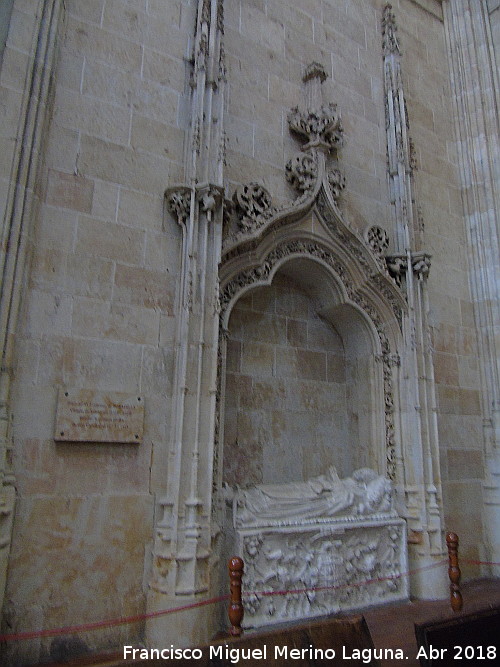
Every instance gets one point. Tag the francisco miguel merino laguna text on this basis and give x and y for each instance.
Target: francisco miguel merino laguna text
(234, 655)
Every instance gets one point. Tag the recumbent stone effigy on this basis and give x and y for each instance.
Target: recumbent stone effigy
(321, 545)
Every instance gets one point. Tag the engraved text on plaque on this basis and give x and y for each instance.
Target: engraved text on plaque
(84, 415)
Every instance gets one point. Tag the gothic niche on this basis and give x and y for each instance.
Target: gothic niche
(304, 434)
(310, 318)
(299, 383)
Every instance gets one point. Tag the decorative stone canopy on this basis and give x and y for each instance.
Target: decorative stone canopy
(261, 238)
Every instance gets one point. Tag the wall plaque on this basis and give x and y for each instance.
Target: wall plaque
(84, 415)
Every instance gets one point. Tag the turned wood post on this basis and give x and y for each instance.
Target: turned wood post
(454, 573)
(235, 611)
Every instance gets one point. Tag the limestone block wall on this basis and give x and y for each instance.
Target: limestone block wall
(5, 14)
(268, 45)
(439, 201)
(99, 293)
(494, 15)
(475, 87)
(98, 313)
(23, 89)
(286, 414)
(450, 304)
(451, 314)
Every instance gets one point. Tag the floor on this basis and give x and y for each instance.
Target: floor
(392, 626)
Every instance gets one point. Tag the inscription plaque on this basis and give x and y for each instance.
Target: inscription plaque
(84, 415)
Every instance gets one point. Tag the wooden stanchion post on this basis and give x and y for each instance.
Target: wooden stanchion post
(454, 573)
(235, 611)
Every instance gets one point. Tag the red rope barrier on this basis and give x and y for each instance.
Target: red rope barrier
(477, 562)
(72, 629)
(85, 627)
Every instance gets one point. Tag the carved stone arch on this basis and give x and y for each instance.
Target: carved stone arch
(362, 296)
(351, 289)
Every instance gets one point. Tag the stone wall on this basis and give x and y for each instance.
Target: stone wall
(5, 13)
(286, 415)
(98, 312)
(475, 403)
(265, 82)
(103, 260)
(494, 15)
(450, 303)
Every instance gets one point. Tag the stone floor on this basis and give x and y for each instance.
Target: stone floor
(392, 626)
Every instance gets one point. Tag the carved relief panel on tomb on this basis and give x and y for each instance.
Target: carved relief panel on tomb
(324, 569)
(319, 546)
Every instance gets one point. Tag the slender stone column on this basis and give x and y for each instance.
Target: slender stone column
(476, 96)
(16, 231)
(410, 265)
(183, 533)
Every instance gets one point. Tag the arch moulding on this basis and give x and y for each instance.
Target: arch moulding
(311, 241)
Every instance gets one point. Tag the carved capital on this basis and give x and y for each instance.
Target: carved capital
(320, 127)
(179, 202)
(209, 196)
(421, 264)
(178, 198)
(397, 266)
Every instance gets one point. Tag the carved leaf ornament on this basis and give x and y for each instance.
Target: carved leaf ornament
(337, 182)
(390, 43)
(378, 239)
(321, 126)
(301, 172)
(178, 202)
(251, 201)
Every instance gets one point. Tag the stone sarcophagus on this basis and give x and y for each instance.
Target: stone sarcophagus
(317, 547)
